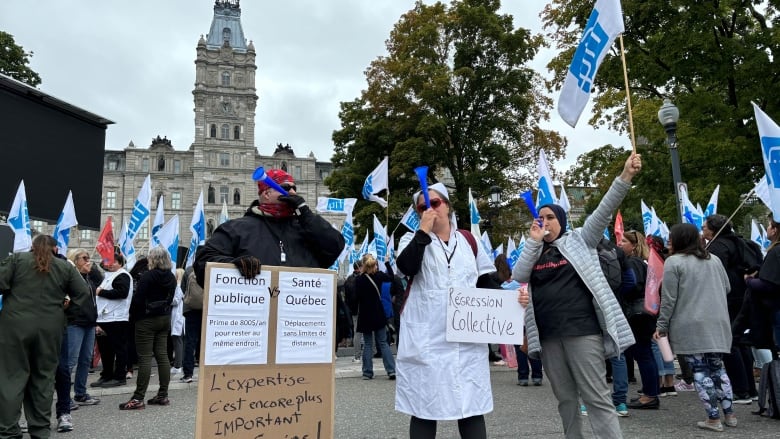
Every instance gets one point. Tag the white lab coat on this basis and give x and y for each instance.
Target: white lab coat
(436, 379)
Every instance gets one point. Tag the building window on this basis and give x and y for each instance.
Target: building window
(236, 196)
(223, 194)
(237, 132)
(226, 35)
(111, 200)
(209, 228)
(86, 235)
(224, 159)
(145, 164)
(143, 232)
(213, 130)
(177, 166)
(284, 166)
(211, 194)
(225, 79)
(112, 165)
(37, 226)
(161, 163)
(225, 132)
(176, 200)
(296, 172)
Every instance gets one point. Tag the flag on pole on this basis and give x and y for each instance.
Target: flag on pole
(604, 25)
(712, 206)
(19, 221)
(168, 238)
(139, 215)
(486, 244)
(336, 205)
(766, 241)
(380, 240)
(376, 182)
(511, 249)
(755, 235)
(769, 133)
(105, 243)
(474, 215)
(223, 214)
(691, 214)
(198, 229)
(762, 191)
(563, 200)
(619, 228)
(66, 220)
(411, 220)
(546, 193)
(129, 247)
(159, 221)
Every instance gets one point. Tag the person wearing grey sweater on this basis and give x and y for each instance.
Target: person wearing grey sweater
(694, 315)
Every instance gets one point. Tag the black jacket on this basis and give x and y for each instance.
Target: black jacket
(307, 240)
(371, 314)
(87, 315)
(155, 286)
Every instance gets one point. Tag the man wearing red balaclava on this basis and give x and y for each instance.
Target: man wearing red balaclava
(277, 229)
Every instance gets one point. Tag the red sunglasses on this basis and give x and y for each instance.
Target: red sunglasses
(435, 203)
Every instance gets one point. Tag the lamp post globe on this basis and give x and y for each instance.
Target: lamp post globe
(668, 115)
(495, 196)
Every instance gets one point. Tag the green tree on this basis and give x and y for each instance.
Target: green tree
(453, 93)
(14, 61)
(711, 58)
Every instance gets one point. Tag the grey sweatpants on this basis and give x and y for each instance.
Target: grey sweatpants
(575, 368)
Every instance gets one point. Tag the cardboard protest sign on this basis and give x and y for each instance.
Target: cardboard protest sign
(266, 368)
(477, 315)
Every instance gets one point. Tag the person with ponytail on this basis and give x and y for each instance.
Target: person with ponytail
(37, 287)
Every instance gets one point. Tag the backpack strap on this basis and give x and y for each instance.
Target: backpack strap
(471, 239)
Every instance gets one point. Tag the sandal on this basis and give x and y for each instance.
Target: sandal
(133, 404)
(159, 400)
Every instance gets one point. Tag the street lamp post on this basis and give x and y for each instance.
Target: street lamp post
(668, 115)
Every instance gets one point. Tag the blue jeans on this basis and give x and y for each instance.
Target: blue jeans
(384, 349)
(619, 380)
(522, 366)
(664, 367)
(648, 369)
(81, 345)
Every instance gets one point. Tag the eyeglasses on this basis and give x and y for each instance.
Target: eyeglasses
(435, 203)
(84, 258)
(289, 187)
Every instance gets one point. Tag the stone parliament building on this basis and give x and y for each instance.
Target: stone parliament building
(223, 155)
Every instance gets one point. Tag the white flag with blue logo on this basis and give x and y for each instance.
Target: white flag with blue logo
(19, 221)
(336, 205)
(546, 191)
(563, 200)
(380, 241)
(762, 191)
(604, 25)
(766, 242)
(411, 220)
(712, 206)
(486, 244)
(198, 230)
(474, 215)
(139, 215)
(127, 247)
(363, 247)
(375, 183)
(159, 221)
(769, 133)
(168, 238)
(223, 214)
(755, 235)
(511, 252)
(66, 220)
(691, 214)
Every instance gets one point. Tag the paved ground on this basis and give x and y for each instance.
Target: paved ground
(364, 409)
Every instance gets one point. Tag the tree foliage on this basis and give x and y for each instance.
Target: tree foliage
(14, 61)
(711, 58)
(454, 93)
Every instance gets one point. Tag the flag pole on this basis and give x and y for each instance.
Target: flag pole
(628, 96)
(752, 191)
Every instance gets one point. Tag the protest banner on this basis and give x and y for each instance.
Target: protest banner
(267, 354)
(477, 315)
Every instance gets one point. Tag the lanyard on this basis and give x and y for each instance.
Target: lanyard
(444, 249)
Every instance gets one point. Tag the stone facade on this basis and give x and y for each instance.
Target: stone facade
(222, 157)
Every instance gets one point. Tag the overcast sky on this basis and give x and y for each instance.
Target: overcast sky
(133, 63)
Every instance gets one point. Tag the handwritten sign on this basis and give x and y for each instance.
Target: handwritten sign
(267, 384)
(476, 315)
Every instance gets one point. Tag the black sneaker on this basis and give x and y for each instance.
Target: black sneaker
(99, 382)
(114, 383)
(86, 400)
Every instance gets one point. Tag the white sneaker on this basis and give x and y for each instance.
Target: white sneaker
(64, 423)
(175, 371)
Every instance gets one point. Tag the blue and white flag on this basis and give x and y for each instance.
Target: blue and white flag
(168, 238)
(691, 214)
(474, 215)
(520, 247)
(511, 249)
(712, 206)
(380, 241)
(336, 205)
(411, 220)
(769, 133)
(546, 191)
(139, 215)
(376, 182)
(563, 200)
(198, 230)
(606, 234)
(363, 247)
(498, 250)
(486, 244)
(762, 191)
(755, 235)
(128, 246)
(649, 220)
(604, 25)
(348, 232)
(19, 221)
(766, 241)
(66, 220)
(159, 221)
(223, 214)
